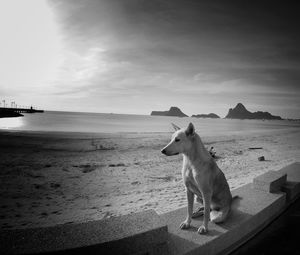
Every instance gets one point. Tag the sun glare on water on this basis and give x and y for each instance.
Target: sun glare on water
(11, 123)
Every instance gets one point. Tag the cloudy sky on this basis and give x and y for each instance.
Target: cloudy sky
(135, 56)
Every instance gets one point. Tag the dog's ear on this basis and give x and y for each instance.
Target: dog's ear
(190, 129)
(175, 127)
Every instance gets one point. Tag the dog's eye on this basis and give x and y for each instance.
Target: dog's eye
(177, 139)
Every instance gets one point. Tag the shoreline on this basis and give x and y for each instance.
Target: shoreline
(54, 178)
(76, 134)
(85, 123)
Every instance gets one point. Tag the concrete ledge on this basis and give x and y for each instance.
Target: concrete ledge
(270, 181)
(138, 233)
(254, 211)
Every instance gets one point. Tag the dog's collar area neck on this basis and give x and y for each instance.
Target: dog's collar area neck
(196, 156)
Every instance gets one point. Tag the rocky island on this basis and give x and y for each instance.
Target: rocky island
(240, 112)
(174, 111)
(210, 115)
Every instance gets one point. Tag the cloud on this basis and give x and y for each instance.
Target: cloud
(172, 49)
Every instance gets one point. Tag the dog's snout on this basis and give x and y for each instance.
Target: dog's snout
(163, 151)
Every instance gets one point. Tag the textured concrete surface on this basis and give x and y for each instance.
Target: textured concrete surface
(131, 234)
(251, 212)
(270, 181)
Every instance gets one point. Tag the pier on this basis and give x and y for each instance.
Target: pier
(20, 110)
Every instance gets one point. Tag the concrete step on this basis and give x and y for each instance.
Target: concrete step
(271, 181)
(139, 233)
(292, 185)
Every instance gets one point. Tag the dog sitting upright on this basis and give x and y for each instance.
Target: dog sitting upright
(201, 176)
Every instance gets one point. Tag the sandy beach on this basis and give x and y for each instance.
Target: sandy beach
(59, 178)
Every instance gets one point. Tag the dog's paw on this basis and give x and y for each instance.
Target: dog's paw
(185, 225)
(202, 230)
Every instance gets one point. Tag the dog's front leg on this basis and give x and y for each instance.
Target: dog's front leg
(207, 199)
(190, 198)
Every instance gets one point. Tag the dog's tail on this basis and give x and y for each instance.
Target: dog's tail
(219, 216)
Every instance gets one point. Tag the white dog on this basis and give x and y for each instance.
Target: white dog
(201, 176)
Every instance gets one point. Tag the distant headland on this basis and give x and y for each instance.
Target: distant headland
(174, 111)
(210, 115)
(240, 112)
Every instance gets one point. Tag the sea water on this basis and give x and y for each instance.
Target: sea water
(114, 123)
